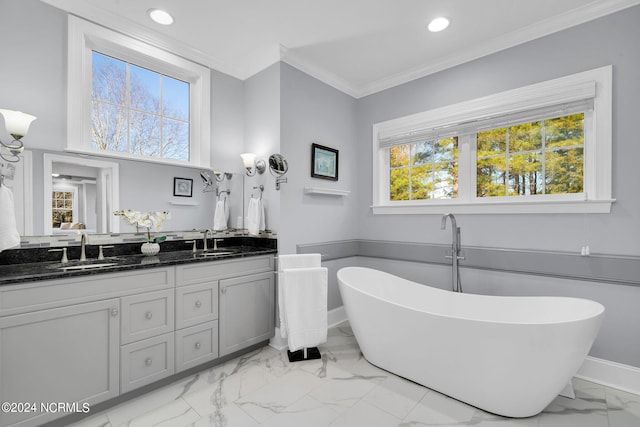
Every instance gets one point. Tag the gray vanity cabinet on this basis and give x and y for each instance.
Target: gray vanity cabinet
(247, 311)
(68, 354)
(88, 339)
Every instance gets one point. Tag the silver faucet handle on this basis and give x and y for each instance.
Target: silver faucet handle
(215, 243)
(100, 254)
(194, 249)
(64, 259)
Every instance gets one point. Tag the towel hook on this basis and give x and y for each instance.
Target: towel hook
(261, 188)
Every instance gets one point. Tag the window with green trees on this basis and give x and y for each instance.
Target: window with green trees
(541, 148)
(424, 170)
(541, 157)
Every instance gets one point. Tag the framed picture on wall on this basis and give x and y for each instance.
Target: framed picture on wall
(182, 187)
(324, 162)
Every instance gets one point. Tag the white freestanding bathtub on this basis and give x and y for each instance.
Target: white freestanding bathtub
(506, 355)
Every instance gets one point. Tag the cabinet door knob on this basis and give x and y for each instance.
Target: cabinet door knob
(198, 304)
(148, 362)
(223, 290)
(198, 346)
(149, 315)
(114, 312)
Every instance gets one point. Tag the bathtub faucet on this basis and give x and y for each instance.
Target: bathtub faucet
(455, 251)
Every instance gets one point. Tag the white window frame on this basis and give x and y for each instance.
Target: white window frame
(85, 37)
(597, 198)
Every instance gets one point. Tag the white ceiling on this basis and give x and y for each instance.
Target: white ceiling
(357, 46)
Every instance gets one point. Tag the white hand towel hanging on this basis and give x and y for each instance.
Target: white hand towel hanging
(305, 306)
(286, 262)
(255, 216)
(9, 236)
(221, 215)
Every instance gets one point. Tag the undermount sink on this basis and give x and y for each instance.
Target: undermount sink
(215, 253)
(87, 266)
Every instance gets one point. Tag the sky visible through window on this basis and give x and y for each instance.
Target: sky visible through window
(138, 111)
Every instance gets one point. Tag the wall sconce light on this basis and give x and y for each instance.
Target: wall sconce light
(251, 165)
(17, 124)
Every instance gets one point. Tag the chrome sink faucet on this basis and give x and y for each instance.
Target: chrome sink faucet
(204, 239)
(455, 250)
(83, 243)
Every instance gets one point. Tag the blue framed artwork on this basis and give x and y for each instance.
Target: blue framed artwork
(324, 162)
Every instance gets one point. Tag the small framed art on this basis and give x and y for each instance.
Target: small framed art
(324, 162)
(182, 187)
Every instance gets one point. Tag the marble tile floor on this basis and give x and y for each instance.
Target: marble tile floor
(341, 390)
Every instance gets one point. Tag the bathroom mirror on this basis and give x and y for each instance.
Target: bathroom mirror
(278, 165)
(99, 186)
(80, 194)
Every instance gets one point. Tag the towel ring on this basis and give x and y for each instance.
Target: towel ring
(261, 188)
(221, 192)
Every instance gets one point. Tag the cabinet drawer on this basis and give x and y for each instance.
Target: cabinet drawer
(147, 315)
(190, 274)
(146, 361)
(196, 345)
(196, 304)
(41, 295)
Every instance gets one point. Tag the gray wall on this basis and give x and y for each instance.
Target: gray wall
(312, 111)
(581, 48)
(262, 137)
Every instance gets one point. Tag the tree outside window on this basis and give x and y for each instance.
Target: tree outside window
(542, 157)
(424, 170)
(138, 111)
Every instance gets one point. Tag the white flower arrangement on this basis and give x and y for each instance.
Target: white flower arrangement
(145, 219)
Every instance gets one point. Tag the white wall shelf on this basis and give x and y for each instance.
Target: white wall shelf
(184, 203)
(326, 191)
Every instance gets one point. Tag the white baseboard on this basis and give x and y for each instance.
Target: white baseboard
(334, 318)
(610, 374)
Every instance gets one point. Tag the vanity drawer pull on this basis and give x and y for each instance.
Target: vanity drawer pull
(198, 346)
(148, 362)
(198, 304)
(114, 312)
(149, 315)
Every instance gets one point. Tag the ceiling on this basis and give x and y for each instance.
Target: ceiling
(357, 46)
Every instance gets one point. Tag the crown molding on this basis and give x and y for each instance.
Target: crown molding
(259, 61)
(105, 18)
(295, 60)
(586, 13)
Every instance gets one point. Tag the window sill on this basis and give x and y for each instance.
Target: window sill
(125, 156)
(515, 207)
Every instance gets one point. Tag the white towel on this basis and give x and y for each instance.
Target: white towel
(299, 261)
(305, 306)
(286, 262)
(221, 215)
(9, 236)
(255, 216)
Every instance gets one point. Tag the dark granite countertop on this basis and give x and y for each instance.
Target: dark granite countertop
(48, 270)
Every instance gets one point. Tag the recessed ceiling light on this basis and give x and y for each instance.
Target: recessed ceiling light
(160, 16)
(438, 24)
